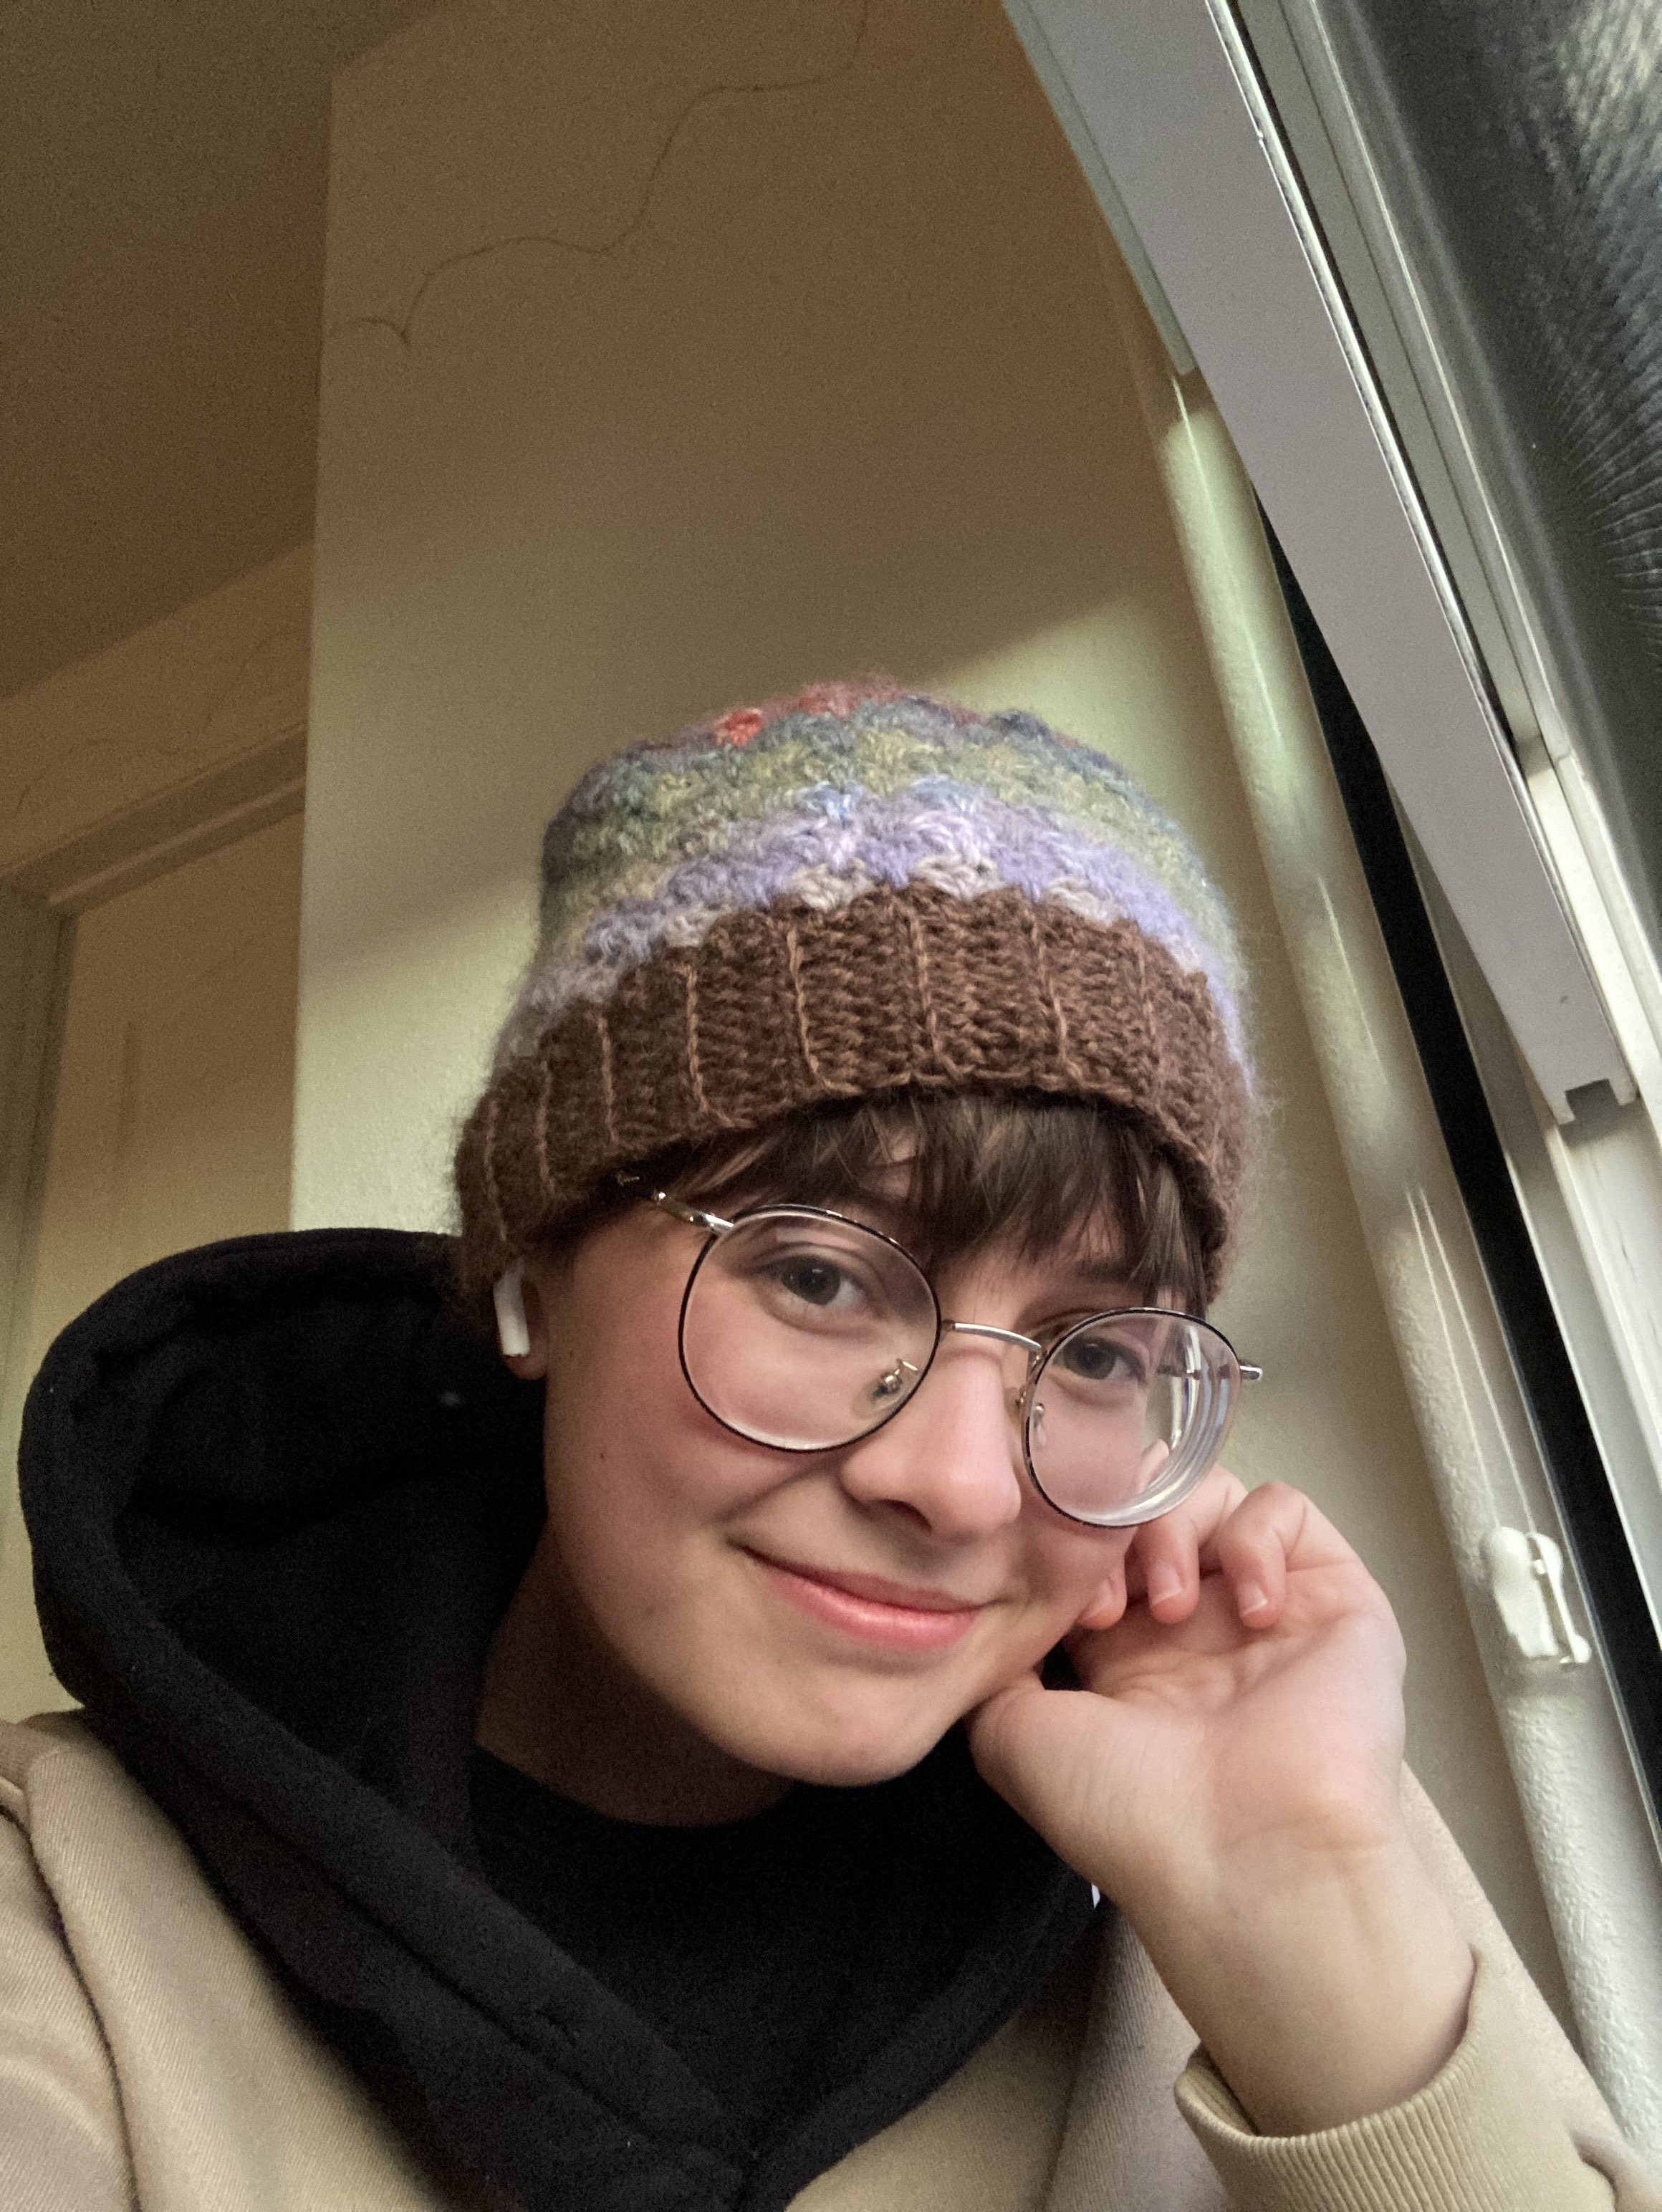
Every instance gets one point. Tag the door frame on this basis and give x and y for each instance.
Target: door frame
(164, 747)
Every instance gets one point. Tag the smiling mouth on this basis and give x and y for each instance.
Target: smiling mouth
(878, 1589)
(904, 1616)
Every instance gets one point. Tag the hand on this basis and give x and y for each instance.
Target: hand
(1253, 1702)
(1230, 1774)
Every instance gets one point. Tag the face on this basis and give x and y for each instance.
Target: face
(825, 1616)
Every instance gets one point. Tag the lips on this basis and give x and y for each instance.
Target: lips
(904, 1616)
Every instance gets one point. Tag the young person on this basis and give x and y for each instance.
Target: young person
(801, 1715)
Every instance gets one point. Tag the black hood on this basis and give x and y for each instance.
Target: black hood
(279, 1496)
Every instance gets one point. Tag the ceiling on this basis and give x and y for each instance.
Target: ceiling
(163, 169)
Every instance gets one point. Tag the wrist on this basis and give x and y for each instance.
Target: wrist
(1324, 1986)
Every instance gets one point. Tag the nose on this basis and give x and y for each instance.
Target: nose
(950, 1458)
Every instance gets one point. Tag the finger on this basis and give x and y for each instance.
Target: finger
(1108, 1604)
(1168, 1554)
(1041, 1750)
(996, 1735)
(1275, 1528)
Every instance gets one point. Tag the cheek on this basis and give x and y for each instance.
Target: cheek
(1068, 1567)
(635, 1467)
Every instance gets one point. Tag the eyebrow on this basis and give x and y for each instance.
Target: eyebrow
(1112, 1268)
(1115, 1270)
(1088, 1261)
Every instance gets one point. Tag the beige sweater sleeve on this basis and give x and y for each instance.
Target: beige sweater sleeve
(1482, 2136)
(149, 2061)
(63, 2146)
(1513, 2123)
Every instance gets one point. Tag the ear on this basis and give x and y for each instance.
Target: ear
(522, 1323)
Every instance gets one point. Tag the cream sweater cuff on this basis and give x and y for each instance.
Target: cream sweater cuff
(1481, 2137)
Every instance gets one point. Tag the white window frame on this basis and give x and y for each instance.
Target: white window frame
(1236, 180)
(1181, 141)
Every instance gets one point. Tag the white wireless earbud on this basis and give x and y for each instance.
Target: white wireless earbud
(513, 1333)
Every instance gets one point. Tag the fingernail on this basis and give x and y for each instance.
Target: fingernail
(1163, 1583)
(1251, 1598)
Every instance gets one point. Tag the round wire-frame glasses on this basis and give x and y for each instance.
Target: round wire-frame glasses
(805, 1331)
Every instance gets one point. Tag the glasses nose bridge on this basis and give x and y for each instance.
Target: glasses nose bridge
(1029, 1345)
(1008, 1340)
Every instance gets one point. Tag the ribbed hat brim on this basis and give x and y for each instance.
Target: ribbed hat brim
(786, 1008)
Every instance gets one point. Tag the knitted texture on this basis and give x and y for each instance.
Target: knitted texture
(852, 892)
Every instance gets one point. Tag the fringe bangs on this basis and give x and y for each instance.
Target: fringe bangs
(959, 1172)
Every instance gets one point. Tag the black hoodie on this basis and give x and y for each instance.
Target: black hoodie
(279, 1496)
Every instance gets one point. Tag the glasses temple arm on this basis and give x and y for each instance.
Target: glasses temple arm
(694, 1214)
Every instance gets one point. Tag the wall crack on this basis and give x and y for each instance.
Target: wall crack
(401, 327)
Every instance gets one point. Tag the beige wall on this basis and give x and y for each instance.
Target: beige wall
(681, 354)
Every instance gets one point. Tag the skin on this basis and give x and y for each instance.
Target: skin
(1229, 1773)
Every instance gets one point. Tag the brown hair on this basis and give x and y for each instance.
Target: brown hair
(961, 1170)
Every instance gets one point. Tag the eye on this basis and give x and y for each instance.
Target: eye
(1102, 1358)
(815, 1282)
(815, 1279)
(824, 1278)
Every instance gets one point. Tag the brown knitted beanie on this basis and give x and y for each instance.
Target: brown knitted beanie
(854, 891)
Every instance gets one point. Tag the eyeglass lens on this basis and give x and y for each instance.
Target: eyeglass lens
(1128, 1412)
(805, 1331)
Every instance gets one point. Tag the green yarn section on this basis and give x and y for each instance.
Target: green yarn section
(635, 819)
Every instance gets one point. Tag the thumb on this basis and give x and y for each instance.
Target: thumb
(1030, 1744)
(995, 1733)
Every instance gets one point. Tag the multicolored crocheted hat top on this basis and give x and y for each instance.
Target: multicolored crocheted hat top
(855, 890)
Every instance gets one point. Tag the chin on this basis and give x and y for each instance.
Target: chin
(847, 1751)
(841, 1768)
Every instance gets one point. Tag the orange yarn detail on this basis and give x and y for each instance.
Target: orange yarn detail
(739, 727)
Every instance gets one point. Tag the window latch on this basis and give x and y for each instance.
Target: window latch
(1526, 1576)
